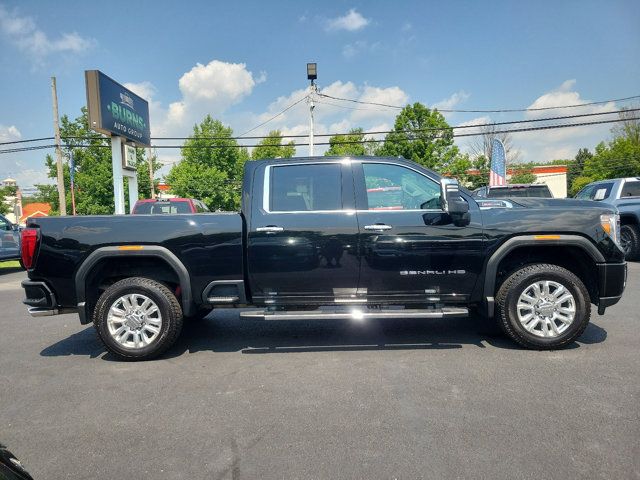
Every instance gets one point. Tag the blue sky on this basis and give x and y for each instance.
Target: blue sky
(244, 61)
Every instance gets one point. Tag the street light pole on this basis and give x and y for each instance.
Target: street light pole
(312, 75)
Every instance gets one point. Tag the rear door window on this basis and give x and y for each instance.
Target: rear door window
(630, 189)
(305, 188)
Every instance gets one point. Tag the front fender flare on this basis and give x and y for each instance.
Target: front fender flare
(512, 243)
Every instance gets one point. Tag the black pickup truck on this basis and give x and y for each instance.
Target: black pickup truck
(352, 238)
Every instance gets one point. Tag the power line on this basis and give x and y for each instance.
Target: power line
(504, 110)
(514, 130)
(276, 115)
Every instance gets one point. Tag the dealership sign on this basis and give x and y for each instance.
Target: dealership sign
(116, 110)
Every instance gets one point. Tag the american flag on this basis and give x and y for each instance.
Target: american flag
(498, 173)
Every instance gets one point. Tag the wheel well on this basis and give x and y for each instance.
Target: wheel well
(573, 258)
(628, 219)
(108, 271)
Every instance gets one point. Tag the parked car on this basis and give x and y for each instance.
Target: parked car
(517, 190)
(319, 238)
(9, 240)
(624, 193)
(10, 466)
(169, 206)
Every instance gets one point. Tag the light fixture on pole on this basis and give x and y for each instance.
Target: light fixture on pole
(312, 74)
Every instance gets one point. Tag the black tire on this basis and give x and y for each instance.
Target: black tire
(168, 306)
(630, 238)
(519, 281)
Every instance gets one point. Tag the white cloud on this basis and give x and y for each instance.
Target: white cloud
(542, 146)
(350, 21)
(9, 134)
(452, 101)
(145, 89)
(25, 34)
(406, 27)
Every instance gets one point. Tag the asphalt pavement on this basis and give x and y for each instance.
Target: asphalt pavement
(321, 399)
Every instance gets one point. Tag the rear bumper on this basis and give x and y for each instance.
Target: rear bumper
(612, 280)
(41, 300)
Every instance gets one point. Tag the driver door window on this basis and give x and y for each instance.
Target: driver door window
(392, 187)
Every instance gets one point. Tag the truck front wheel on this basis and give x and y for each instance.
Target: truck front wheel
(543, 306)
(630, 241)
(137, 318)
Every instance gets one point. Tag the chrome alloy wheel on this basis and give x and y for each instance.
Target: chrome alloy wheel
(546, 308)
(134, 321)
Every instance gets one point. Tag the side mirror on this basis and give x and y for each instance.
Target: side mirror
(15, 227)
(453, 203)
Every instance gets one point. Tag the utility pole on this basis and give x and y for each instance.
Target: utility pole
(150, 160)
(312, 75)
(56, 130)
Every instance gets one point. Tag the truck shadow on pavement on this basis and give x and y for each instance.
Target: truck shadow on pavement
(224, 332)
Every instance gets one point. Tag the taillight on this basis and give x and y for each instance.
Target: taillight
(29, 242)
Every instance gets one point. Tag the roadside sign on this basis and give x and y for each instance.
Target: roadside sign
(116, 110)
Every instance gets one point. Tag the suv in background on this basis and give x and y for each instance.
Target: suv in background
(624, 193)
(160, 206)
(9, 240)
(517, 190)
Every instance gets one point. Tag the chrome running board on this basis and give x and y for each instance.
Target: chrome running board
(356, 314)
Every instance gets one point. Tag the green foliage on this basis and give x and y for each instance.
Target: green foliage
(414, 138)
(6, 192)
(211, 167)
(272, 147)
(352, 144)
(522, 174)
(93, 175)
(575, 169)
(578, 184)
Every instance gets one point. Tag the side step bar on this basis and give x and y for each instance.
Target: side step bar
(356, 314)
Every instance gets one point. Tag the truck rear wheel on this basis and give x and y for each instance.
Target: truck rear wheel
(543, 306)
(137, 318)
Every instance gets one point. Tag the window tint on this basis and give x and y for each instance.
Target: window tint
(585, 193)
(4, 224)
(601, 191)
(158, 208)
(306, 187)
(392, 187)
(630, 189)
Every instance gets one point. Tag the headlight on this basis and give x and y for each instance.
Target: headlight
(611, 225)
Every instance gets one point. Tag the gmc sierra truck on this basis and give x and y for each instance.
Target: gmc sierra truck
(346, 238)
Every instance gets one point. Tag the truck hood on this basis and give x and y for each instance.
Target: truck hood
(561, 204)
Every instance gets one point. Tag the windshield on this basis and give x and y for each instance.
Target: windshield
(159, 208)
(537, 191)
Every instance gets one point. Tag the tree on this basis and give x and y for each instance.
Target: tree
(211, 167)
(483, 144)
(272, 147)
(93, 177)
(575, 169)
(8, 191)
(522, 174)
(352, 144)
(629, 127)
(421, 135)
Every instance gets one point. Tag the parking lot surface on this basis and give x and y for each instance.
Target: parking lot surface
(321, 399)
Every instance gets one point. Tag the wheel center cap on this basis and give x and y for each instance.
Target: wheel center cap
(133, 321)
(546, 309)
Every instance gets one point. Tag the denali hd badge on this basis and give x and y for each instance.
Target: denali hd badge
(433, 272)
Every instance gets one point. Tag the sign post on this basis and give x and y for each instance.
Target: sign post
(118, 112)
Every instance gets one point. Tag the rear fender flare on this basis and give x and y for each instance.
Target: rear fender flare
(146, 251)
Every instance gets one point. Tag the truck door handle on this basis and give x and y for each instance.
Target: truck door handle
(270, 229)
(378, 226)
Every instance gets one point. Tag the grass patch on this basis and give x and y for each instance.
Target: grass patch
(10, 264)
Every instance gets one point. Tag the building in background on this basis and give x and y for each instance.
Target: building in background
(555, 176)
(34, 210)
